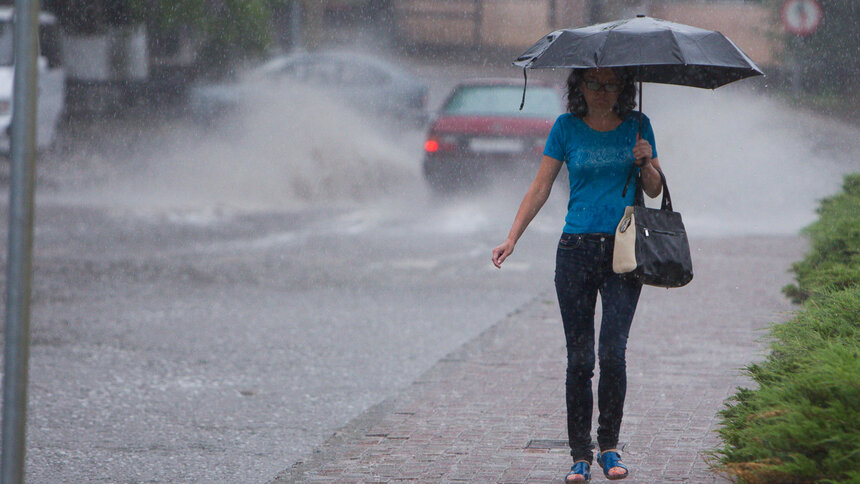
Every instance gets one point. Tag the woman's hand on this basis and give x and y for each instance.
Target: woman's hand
(642, 152)
(652, 184)
(502, 252)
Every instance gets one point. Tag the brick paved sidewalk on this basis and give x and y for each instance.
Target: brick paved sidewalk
(493, 411)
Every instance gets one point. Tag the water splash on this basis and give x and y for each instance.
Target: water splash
(287, 146)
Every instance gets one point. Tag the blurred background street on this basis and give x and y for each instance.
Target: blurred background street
(218, 290)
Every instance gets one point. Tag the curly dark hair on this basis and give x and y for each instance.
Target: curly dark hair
(626, 99)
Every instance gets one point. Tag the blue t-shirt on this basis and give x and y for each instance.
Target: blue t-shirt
(598, 163)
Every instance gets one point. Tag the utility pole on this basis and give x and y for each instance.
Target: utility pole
(19, 266)
(296, 34)
(595, 12)
(313, 11)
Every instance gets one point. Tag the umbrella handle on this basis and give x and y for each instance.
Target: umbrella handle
(633, 168)
(640, 104)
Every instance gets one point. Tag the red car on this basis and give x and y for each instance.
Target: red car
(480, 134)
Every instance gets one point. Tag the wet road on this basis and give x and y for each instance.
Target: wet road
(211, 313)
(223, 353)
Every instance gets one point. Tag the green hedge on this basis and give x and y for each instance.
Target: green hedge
(834, 259)
(802, 423)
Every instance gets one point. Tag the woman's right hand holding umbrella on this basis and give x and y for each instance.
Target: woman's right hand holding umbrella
(652, 184)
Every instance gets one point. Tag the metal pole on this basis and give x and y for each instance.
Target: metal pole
(19, 260)
(478, 23)
(312, 24)
(296, 33)
(595, 12)
(797, 66)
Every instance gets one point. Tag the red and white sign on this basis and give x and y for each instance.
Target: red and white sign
(801, 17)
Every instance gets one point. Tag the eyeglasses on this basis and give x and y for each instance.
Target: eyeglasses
(608, 87)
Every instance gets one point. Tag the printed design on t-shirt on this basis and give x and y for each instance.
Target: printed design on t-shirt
(600, 159)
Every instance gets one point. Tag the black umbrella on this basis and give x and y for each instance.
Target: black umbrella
(657, 50)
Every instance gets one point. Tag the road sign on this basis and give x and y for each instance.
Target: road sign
(801, 17)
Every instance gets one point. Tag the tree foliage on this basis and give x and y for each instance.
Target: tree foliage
(227, 28)
(230, 28)
(829, 58)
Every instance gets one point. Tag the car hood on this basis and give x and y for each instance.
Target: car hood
(492, 125)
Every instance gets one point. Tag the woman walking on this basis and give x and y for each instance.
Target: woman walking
(598, 141)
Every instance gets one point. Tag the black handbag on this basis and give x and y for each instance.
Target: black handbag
(652, 243)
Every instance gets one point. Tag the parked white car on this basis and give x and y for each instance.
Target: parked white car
(365, 81)
(52, 79)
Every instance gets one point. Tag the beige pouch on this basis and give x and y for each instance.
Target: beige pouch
(624, 255)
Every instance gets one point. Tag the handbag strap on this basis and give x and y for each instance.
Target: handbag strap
(639, 199)
(666, 204)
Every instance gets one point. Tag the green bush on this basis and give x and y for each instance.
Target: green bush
(833, 261)
(834, 318)
(802, 423)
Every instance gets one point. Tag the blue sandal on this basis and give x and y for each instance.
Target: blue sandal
(609, 459)
(582, 468)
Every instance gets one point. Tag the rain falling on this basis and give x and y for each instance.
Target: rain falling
(240, 253)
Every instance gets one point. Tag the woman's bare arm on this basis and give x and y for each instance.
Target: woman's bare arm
(534, 199)
(652, 185)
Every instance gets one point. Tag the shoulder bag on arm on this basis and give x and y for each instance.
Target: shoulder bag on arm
(652, 243)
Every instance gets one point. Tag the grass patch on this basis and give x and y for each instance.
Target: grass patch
(802, 423)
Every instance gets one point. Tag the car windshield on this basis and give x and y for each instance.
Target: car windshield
(541, 102)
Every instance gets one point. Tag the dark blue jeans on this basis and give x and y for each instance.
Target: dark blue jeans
(584, 268)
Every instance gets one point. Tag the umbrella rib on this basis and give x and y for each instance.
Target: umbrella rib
(588, 36)
(680, 51)
(599, 52)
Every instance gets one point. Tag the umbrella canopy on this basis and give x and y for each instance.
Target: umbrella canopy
(661, 51)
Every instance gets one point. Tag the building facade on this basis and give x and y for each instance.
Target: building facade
(517, 24)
